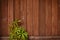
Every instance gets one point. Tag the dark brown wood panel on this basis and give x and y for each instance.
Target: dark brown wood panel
(58, 18)
(0, 17)
(4, 19)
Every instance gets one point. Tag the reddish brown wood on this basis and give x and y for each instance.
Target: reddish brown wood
(4, 24)
(35, 17)
(29, 17)
(17, 9)
(39, 17)
(10, 12)
(24, 16)
(21, 8)
(42, 17)
(58, 18)
(48, 17)
(0, 16)
(54, 17)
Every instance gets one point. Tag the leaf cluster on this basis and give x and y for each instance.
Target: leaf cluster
(17, 32)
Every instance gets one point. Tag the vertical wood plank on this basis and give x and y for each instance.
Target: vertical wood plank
(23, 13)
(17, 9)
(29, 17)
(58, 18)
(24, 16)
(48, 17)
(42, 17)
(35, 17)
(4, 27)
(10, 13)
(21, 9)
(0, 16)
(54, 17)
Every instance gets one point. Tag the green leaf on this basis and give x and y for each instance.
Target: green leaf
(17, 32)
(25, 34)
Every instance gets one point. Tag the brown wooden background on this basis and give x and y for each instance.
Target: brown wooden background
(41, 18)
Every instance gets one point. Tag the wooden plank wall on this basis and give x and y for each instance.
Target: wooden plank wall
(40, 18)
(4, 17)
(59, 17)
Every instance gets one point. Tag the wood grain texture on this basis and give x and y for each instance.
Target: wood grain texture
(29, 17)
(48, 17)
(24, 14)
(4, 24)
(54, 17)
(35, 17)
(39, 17)
(10, 13)
(0, 16)
(17, 9)
(58, 18)
(21, 8)
(42, 14)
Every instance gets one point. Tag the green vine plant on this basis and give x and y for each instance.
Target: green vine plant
(17, 32)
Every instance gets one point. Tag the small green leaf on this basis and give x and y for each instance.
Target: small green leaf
(17, 32)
